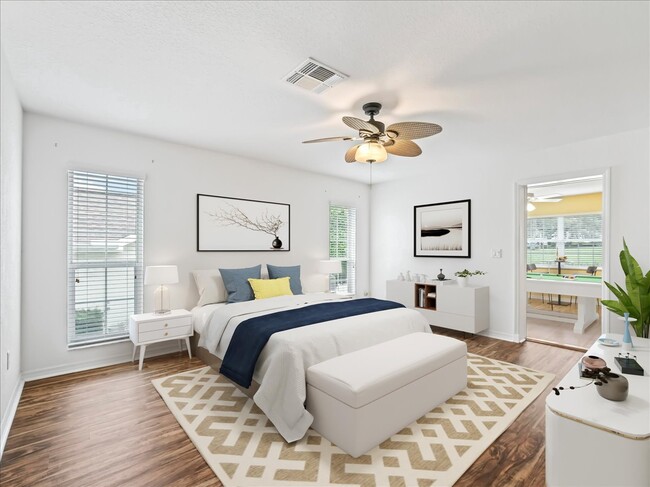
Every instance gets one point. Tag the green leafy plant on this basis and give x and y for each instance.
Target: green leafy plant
(467, 273)
(89, 320)
(635, 298)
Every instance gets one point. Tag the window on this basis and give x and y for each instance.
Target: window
(343, 247)
(579, 237)
(105, 256)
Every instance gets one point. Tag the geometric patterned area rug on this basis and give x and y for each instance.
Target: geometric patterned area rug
(243, 447)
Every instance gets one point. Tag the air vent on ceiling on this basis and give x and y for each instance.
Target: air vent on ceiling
(314, 76)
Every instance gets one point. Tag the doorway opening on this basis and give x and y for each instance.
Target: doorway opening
(563, 255)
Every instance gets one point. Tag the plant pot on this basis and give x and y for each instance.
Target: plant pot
(277, 243)
(462, 281)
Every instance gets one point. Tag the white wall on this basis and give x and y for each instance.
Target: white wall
(10, 256)
(491, 188)
(174, 175)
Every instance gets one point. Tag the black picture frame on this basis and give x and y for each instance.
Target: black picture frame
(222, 226)
(443, 229)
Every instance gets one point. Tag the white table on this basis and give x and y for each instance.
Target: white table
(148, 328)
(586, 292)
(591, 441)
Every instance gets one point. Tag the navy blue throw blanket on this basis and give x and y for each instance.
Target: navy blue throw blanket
(251, 335)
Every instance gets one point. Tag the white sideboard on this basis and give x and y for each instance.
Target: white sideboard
(445, 303)
(591, 441)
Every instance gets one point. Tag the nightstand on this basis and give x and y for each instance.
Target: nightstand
(149, 328)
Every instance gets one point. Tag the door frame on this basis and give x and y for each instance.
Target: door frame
(521, 215)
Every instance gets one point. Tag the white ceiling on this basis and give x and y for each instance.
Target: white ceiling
(500, 77)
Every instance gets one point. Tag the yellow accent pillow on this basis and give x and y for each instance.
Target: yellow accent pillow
(270, 288)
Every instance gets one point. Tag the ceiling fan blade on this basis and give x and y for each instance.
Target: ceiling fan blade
(358, 124)
(351, 152)
(412, 130)
(404, 148)
(546, 200)
(330, 139)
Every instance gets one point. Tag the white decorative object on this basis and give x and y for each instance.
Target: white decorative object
(400, 277)
(161, 275)
(408, 276)
(361, 398)
(148, 328)
(462, 281)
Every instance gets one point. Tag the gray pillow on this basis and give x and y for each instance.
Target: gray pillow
(236, 283)
(276, 272)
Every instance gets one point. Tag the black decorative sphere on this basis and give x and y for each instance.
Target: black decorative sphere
(277, 243)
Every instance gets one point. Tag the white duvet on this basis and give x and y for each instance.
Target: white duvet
(282, 365)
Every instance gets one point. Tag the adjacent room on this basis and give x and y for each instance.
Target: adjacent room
(276, 243)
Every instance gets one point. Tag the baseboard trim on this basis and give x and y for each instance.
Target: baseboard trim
(508, 337)
(9, 415)
(152, 351)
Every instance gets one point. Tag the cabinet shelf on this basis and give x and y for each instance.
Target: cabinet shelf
(425, 296)
(444, 304)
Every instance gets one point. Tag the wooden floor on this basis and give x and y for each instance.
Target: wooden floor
(109, 427)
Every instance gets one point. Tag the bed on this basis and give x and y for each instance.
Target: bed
(276, 379)
(278, 386)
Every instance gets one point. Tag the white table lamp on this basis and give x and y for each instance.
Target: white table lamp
(330, 267)
(161, 275)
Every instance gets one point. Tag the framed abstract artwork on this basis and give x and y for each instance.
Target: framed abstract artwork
(442, 229)
(226, 224)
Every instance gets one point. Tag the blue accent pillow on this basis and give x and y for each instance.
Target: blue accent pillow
(236, 283)
(276, 272)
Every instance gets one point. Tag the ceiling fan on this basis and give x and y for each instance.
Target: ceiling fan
(549, 198)
(379, 140)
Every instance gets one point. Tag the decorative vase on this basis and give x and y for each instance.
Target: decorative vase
(441, 276)
(593, 362)
(627, 338)
(277, 243)
(462, 281)
(615, 389)
(408, 276)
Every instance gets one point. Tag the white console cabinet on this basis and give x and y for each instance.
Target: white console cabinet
(445, 303)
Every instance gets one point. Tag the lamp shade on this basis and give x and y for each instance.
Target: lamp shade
(330, 266)
(161, 274)
(371, 151)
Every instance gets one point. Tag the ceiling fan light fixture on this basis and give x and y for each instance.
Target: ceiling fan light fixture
(371, 151)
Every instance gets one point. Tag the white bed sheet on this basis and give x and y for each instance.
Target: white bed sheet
(282, 365)
(201, 315)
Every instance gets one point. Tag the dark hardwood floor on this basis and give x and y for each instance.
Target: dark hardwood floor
(108, 427)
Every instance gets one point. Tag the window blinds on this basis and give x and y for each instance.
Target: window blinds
(578, 237)
(343, 247)
(105, 255)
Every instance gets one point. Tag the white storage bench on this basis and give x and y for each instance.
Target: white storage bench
(362, 398)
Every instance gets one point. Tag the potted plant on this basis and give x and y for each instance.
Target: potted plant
(465, 274)
(635, 298)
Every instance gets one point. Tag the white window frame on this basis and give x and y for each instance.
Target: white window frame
(99, 207)
(344, 282)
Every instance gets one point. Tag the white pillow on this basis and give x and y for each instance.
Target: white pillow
(210, 286)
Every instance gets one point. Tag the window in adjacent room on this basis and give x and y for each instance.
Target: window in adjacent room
(105, 256)
(578, 237)
(343, 247)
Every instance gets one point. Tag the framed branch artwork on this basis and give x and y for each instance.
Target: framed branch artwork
(238, 225)
(442, 229)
